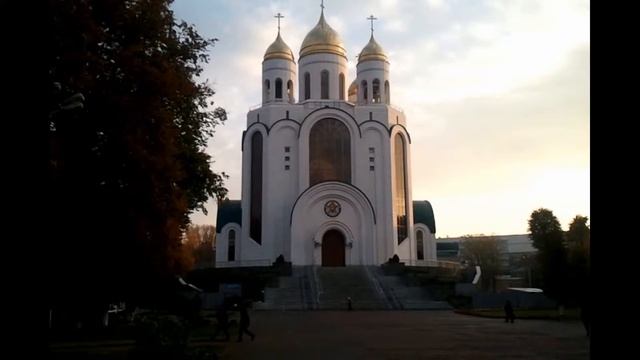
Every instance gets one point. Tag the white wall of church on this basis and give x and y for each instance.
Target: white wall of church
(368, 71)
(274, 69)
(356, 222)
(377, 185)
(280, 188)
(314, 64)
(429, 242)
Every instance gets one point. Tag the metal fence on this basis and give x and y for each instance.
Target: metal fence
(244, 263)
(432, 263)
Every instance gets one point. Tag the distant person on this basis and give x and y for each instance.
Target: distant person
(223, 323)
(509, 315)
(349, 304)
(244, 323)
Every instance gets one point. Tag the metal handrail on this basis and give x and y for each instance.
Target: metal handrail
(433, 263)
(244, 263)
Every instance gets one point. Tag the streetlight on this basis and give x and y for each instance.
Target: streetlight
(525, 259)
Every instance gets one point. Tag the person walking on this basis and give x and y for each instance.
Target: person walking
(223, 322)
(244, 323)
(509, 315)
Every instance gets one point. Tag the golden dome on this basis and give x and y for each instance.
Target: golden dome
(322, 39)
(279, 50)
(353, 88)
(373, 51)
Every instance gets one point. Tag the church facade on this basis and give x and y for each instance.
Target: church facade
(326, 166)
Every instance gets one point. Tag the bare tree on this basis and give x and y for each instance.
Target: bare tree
(483, 251)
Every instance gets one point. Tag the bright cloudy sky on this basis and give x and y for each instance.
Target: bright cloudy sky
(496, 93)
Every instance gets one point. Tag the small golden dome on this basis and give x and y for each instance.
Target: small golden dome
(373, 51)
(353, 88)
(322, 39)
(279, 50)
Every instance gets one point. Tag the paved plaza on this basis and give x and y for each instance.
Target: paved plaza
(404, 335)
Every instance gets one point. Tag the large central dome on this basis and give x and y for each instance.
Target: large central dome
(322, 39)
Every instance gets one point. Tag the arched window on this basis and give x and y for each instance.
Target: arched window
(290, 91)
(231, 253)
(365, 90)
(387, 92)
(278, 88)
(376, 91)
(400, 193)
(255, 212)
(329, 152)
(267, 90)
(307, 86)
(341, 84)
(420, 244)
(324, 84)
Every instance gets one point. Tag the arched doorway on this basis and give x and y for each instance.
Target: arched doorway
(333, 248)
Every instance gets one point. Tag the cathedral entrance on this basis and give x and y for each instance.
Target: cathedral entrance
(333, 248)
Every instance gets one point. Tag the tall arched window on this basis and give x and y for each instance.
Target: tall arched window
(307, 86)
(341, 84)
(376, 91)
(420, 244)
(365, 90)
(278, 88)
(231, 250)
(324, 84)
(329, 152)
(290, 91)
(400, 193)
(387, 92)
(267, 90)
(255, 212)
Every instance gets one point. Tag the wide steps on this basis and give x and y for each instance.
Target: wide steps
(327, 288)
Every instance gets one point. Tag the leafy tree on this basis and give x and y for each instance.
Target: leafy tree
(548, 238)
(579, 234)
(578, 239)
(483, 251)
(128, 167)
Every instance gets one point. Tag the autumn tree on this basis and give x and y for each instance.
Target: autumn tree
(199, 242)
(483, 251)
(128, 167)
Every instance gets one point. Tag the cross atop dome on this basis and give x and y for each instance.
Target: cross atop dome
(372, 18)
(279, 17)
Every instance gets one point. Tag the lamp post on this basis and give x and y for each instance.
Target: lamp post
(526, 261)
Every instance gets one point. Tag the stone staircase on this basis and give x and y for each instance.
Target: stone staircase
(294, 292)
(406, 296)
(335, 284)
(327, 288)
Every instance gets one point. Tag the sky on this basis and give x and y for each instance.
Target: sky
(496, 95)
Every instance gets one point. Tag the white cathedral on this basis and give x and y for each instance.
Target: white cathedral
(326, 177)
